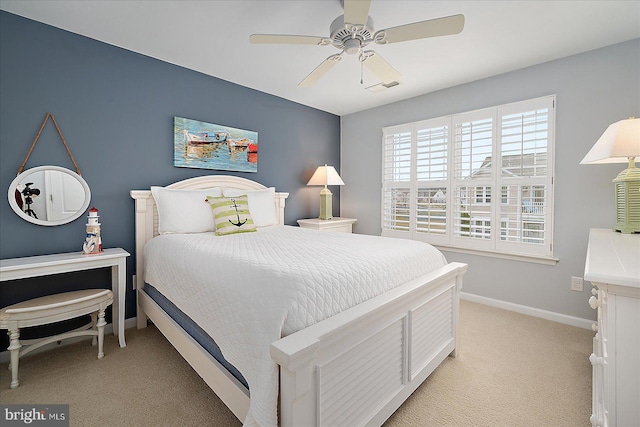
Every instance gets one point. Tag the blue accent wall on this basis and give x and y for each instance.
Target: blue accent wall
(116, 109)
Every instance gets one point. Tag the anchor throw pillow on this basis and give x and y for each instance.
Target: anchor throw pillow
(231, 215)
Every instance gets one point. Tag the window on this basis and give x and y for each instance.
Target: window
(481, 180)
(505, 195)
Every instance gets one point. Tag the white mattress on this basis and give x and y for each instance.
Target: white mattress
(250, 289)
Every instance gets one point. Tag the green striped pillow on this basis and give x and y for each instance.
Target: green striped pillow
(231, 215)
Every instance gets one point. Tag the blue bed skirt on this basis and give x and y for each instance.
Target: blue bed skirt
(196, 332)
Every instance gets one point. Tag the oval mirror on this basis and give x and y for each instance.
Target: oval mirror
(49, 195)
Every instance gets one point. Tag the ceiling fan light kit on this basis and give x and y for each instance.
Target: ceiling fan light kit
(354, 30)
(381, 87)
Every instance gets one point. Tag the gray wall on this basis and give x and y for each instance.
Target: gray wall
(593, 89)
(115, 109)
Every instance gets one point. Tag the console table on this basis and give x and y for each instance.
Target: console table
(613, 268)
(44, 265)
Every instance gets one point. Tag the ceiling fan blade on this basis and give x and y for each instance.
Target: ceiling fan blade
(421, 30)
(378, 66)
(287, 39)
(356, 12)
(321, 70)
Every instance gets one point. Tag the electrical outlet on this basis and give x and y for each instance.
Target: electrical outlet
(576, 284)
(135, 282)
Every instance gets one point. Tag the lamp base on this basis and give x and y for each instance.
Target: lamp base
(326, 201)
(627, 185)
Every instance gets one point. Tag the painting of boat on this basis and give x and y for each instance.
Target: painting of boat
(205, 145)
(238, 144)
(200, 138)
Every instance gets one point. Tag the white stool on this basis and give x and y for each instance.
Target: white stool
(50, 309)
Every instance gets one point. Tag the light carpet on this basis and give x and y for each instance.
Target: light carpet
(510, 370)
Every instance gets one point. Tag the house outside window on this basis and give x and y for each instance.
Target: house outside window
(439, 176)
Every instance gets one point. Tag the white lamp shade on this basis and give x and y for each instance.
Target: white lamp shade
(325, 175)
(620, 141)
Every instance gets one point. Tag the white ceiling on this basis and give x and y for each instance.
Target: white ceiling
(212, 37)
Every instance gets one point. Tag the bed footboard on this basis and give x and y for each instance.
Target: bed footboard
(357, 367)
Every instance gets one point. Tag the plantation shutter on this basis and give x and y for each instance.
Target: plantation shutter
(397, 158)
(432, 144)
(431, 212)
(397, 174)
(473, 166)
(480, 180)
(525, 141)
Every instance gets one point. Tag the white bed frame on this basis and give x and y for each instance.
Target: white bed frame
(355, 368)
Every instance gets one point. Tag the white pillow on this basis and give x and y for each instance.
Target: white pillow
(184, 211)
(262, 204)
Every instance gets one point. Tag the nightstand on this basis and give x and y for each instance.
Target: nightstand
(341, 225)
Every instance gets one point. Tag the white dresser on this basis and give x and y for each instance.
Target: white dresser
(613, 268)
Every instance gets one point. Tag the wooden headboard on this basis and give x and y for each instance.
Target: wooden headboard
(146, 221)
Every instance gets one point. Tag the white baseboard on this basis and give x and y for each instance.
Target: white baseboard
(530, 311)
(5, 356)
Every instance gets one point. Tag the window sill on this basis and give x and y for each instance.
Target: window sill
(536, 259)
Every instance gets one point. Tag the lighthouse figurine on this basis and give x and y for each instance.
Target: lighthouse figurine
(93, 242)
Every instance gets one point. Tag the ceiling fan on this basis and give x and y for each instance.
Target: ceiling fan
(354, 30)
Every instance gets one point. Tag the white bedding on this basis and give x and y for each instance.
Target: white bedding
(248, 290)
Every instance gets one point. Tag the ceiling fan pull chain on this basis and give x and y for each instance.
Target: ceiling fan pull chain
(361, 65)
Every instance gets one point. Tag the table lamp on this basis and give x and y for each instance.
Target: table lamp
(325, 175)
(620, 143)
